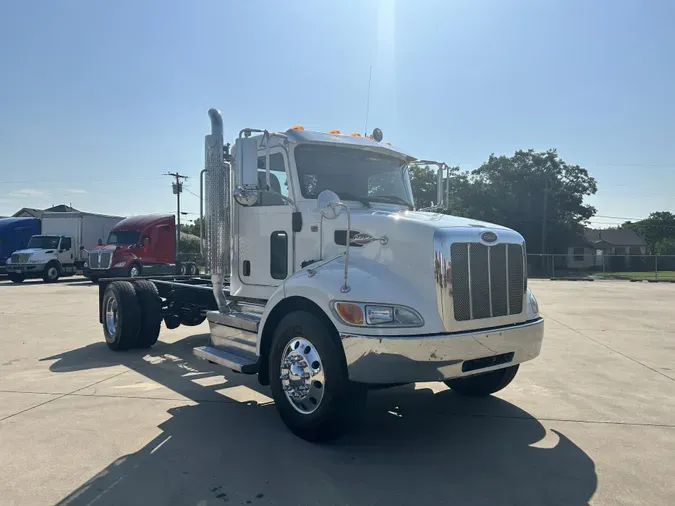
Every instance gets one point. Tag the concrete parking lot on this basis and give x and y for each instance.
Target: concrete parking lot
(592, 421)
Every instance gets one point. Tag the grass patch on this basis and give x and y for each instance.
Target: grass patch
(636, 275)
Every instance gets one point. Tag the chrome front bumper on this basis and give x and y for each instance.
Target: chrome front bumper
(408, 359)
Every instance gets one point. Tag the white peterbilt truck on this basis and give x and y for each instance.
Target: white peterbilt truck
(326, 282)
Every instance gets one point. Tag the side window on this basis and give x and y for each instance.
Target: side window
(278, 180)
(66, 243)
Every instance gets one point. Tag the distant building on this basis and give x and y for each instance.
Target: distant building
(593, 245)
(29, 212)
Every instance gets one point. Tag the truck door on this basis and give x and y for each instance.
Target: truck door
(65, 253)
(264, 230)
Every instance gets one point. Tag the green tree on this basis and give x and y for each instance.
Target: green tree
(657, 230)
(510, 190)
(191, 228)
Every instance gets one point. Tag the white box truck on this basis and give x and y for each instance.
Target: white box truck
(61, 248)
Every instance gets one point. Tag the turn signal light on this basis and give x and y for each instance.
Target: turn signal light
(297, 127)
(350, 313)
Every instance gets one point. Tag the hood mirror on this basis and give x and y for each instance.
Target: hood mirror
(327, 204)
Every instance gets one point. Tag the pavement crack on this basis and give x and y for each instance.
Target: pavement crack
(610, 348)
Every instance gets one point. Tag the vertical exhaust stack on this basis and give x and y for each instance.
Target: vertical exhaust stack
(217, 209)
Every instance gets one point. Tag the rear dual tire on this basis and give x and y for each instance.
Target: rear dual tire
(132, 315)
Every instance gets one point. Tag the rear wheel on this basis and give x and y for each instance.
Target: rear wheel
(121, 315)
(16, 278)
(485, 384)
(51, 273)
(309, 382)
(151, 313)
(194, 270)
(181, 268)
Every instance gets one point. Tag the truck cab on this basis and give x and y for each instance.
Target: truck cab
(14, 235)
(138, 246)
(326, 281)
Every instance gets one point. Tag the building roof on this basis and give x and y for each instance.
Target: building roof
(613, 237)
(27, 212)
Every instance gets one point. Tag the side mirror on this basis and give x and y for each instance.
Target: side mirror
(246, 161)
(81, 248)
(326, 204)
(100, 242)
(245, 196)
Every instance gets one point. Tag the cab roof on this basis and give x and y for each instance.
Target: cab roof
(142, 222)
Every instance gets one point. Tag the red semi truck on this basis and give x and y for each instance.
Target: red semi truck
(138, 246)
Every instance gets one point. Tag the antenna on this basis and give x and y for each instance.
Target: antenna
(370, 76)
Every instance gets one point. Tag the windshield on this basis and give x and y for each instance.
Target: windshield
(44, 242)
(354, 174)
(123, 237)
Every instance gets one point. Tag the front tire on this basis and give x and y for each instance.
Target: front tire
(121, 315)
(134, 271)
(482, 385)
(51, 273)
(16, 278)
(308, 378)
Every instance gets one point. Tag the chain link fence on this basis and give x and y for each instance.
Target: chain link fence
(602, 266)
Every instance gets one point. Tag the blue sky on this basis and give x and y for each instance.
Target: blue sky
(98, 99)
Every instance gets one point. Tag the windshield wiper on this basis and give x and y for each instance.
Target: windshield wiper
(390, 198)
(349, 196)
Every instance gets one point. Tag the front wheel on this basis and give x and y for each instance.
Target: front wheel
(134, 271)
(484, 384)
(51, 273)
(16, 278)
(308, 378)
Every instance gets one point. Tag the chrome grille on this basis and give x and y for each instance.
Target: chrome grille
(487, 281)
(100, 259)
(20, 258)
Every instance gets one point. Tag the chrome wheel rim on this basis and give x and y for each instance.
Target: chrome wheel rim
(111, 317)
(302, 375)
(52, 273)
(134, 272)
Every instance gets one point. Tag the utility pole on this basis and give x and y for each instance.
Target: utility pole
(177, 190)
(543, 221)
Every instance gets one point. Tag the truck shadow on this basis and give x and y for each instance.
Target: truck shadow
(71, 281)
(414, 447)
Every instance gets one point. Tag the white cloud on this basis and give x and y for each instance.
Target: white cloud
(75, 191)
(28, 192)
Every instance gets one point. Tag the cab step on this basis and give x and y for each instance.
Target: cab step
(244, 365)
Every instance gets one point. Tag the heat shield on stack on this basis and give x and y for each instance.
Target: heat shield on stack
(217, 190)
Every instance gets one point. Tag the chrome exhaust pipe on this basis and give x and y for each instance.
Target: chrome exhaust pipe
(217, 189)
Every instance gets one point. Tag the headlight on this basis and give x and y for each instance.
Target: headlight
(120, 264)
(533, 303)
(377, 315)
(36, 261)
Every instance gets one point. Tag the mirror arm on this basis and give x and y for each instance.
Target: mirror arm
(345, 287)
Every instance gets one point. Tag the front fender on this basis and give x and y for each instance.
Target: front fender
(368, 282)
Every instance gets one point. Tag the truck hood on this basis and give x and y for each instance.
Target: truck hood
(427, 219)
(33, 250)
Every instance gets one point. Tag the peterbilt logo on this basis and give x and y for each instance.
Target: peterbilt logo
(488, 237)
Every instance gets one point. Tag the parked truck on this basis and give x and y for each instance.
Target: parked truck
(14, 235)
(60, 249)
(136, 246)
(325, 282)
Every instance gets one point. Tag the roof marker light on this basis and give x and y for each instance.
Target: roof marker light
(355, 134)
(297, 127)
(334, 132)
